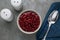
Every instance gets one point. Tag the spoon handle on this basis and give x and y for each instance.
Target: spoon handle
(47, 31)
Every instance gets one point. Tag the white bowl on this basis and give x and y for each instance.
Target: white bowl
(22, 29)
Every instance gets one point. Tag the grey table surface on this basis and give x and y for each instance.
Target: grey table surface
(10, 31)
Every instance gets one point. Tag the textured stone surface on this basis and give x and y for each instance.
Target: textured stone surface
(10, 31)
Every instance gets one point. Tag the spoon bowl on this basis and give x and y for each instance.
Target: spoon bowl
(53, 17)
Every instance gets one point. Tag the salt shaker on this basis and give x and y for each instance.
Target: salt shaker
(17, 4)
(6, 15)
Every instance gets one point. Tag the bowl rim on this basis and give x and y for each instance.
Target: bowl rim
(25, 31)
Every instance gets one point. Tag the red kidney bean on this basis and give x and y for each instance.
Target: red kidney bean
(29, 21)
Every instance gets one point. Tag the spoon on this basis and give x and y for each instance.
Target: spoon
(51, 20)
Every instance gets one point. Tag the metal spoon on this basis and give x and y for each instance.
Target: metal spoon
(51, 20)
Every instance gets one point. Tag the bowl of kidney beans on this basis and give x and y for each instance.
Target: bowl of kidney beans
(29, 21)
